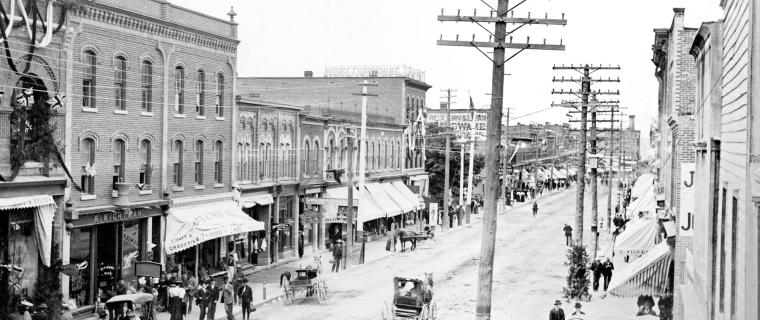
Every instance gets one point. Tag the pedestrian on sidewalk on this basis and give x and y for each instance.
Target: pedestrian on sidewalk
(300, 244)
(213, 296)
(337, 255)
(228, 296)
(535, 208)
(177, 309)
(191, 289)
(607, 268)
(596, 267)
(201, 299)
(557, 313)
(246, 298)
(568, 234)
(578, 314)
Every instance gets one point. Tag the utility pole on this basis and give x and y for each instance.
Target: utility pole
(594, 182)
(350, 213)
(446, 195)
(485, 270)
(612, 157)
(471, 169)
(505, 162)
(363, 140)
(461, 173)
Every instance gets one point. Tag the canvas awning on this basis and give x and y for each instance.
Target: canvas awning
(259, 199)
(647, 275)
(638, 237)
(44, 213)
(382, 197)
(190, 225)
(408, 195)
(642, 184)
(366, 208)
(646, 202)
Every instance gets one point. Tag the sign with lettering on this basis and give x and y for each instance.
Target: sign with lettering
(686, 208)
(461, 121)
(114, 216)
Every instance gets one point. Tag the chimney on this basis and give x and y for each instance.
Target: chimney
(631, 122)
(308, 74)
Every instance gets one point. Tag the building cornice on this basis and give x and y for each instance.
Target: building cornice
(141, 23)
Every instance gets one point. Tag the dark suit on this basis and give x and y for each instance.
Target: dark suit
(202, 298)
(213, 296)
(557, 314)
(246, 297)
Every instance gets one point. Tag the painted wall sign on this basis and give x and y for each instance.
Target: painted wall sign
(461, 121)
(686, 213)
(110, 217)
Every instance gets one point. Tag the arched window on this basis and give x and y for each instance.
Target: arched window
(200, 95)
(179, 90)
(218, 173)
(331, 154)
(145, 163)
(220, 94)
(146, 71)
(318, 157)
(386, 156)
(199, 162)
(119, 151)
(178, 158)
(88, 163)
(88, 79)
(120, 83)
(240, 162)
(371, 160)
(306, 158)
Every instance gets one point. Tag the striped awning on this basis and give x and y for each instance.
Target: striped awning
(647, 275)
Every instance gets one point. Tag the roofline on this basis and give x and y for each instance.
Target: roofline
(265, 103)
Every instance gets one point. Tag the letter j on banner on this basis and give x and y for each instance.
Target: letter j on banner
(686, 212)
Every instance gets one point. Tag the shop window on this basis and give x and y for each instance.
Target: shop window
(146, 71)
(218, 173)
(145, 163)
(199, 162)
(178, 155)
(88, 165)
(79, 285)
(131, 248)
(118, 161)
(179, 90)
(200, 93)
(89, 79)
(120, 83)
(155, 240)
(220, 95)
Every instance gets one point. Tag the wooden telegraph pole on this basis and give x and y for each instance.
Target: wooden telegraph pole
(446, 170)
(583, 94)
(498, 16)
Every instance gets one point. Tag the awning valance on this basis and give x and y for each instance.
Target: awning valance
(366, 208)
(26, 202)
(647, 275)
(410, 196)
(397, 197)
(187, 226)
(259, 199)
(638, 238)
(380, 196)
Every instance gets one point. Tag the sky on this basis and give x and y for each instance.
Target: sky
(285, 38)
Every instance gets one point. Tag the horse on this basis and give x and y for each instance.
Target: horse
(407, 236)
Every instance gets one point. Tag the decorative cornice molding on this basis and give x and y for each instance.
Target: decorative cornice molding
(136, 22)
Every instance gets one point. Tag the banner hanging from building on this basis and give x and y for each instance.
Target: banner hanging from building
(686, 213)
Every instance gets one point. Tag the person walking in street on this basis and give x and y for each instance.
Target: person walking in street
(177, 309)
(607, 268)
(557, 313)
(201, 299)
(213, 296)
(596, 268)
(229, 299)
(246, 298)
(337, 255)
(578, 314)
(568, 234)
(300, 244)
(535, 208)
(191, 289)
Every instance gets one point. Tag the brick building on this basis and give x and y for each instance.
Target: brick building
(330, 113)
(676, 73)
(150, 106)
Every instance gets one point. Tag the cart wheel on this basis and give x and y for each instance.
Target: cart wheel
(425, 313)
(385, 312)
(433, 311)
(289, 296)
(322, 294)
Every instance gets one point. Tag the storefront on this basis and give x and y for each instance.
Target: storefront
(254, 245)
(105, 245)
(311, 219)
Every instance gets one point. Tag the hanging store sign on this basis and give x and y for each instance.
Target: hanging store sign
(686, 208)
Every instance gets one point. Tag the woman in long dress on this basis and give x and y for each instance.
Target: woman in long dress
(176, 301)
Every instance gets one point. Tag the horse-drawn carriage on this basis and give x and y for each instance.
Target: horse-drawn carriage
(308, 280)
(411, 236)
(412, 299)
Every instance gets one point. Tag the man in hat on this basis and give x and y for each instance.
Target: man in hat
(201, 299)
(337, 255)
(607, 268)
(213, 296)
(41, 313)
(568, 234)
(246, 297)
(229, 298)
(191, 287)
(596, 268)
(557, 313)
(578, 314)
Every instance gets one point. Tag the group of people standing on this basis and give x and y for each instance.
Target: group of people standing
(602, 269)
(206, 294)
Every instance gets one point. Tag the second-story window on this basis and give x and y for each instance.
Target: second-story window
(119, 152)
(306, 158)
(178, 155)
(199, 162)
(88, 79)
(179, 90)
(88, 165)
(120, 83)
(145, 164)
(220, 95)
(200, 93)
(218, 173)
(146, 71)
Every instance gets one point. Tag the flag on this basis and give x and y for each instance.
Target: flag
(263, 244)
(472, 105)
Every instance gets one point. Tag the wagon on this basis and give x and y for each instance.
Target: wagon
(307, 280)
(140, 303)
(412, 299)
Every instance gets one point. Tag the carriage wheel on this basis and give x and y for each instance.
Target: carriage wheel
(289, 294)
(385, 312)
(323, 291)
(425, 313)
(433, 311)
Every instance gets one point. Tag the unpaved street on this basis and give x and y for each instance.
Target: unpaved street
(528, 276)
